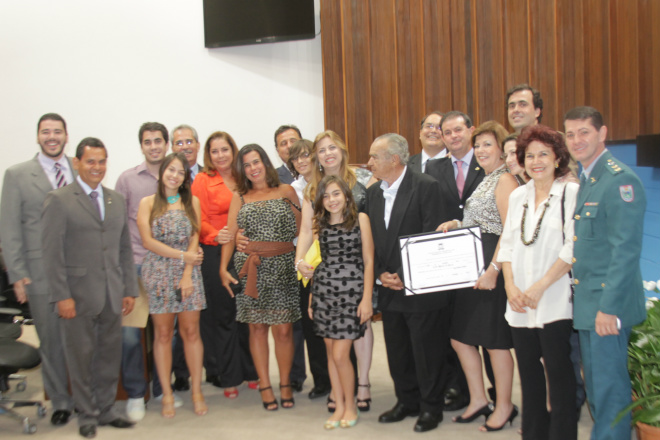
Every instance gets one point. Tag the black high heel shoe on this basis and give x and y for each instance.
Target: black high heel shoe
(485, 411)
(287, 403)
(268, 406)
(512, 416)
(364, 405)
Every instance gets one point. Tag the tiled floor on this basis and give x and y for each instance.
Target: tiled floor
(244, 417)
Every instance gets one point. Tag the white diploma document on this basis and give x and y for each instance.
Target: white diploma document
(438, 261)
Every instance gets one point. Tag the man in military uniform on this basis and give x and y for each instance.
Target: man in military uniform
(609, 297)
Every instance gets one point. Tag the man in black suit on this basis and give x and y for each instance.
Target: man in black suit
(285, 137)
(404, 203)
(457, 135)
(457, 131)
(433, 147)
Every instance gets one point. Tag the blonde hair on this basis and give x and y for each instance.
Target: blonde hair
(346, 173)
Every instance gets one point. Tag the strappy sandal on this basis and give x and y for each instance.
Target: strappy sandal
(331, 404)
(287, 403)
(268, 406)
(364, 405)
(199, 405)
(168, 410)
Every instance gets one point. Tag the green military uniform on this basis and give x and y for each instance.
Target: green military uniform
(609, 218)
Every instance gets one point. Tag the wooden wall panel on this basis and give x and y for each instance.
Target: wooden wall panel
(625, 105)
(649, 66)
(489, 66)
(333, 68)
(386, 63)
(357, 76)
(383, 73)
(410, 68)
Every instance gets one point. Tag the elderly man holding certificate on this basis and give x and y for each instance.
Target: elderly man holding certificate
(405, 203)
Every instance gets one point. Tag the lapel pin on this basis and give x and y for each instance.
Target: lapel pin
(593, 180)
(476, 169)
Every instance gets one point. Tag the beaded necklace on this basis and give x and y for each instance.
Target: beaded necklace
(173, 199)
(538, 224)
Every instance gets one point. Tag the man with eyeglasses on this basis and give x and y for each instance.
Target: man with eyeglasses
(186, 141)
(430, 136)
(524, 106)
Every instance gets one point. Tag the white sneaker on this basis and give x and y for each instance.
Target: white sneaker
(135, 409)
(178, 402)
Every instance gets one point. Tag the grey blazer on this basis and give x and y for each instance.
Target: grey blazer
(86, 258)
(23, 193)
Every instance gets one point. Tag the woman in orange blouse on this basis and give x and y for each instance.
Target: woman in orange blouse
(227, 359)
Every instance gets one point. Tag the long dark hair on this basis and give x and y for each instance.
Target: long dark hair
(160, 200)
(321, 217)
(243, 184)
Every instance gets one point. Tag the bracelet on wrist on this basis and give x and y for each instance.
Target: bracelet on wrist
(182, 260)
(497, 269)
(458, 223)
(298, 263)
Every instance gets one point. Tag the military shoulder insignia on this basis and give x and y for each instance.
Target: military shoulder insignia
(627, 193)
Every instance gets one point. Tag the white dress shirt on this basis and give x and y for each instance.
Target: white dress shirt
(426, 157)
(88, 190)
(530, 263)
(48, 164)
(389, 194)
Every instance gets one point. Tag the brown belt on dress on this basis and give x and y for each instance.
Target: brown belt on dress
(255, 250)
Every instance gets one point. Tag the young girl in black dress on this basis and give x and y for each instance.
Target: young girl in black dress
(341, 291)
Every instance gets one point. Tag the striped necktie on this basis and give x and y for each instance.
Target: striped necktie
(60, 181)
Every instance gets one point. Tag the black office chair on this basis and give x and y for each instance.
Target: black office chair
(15, 356)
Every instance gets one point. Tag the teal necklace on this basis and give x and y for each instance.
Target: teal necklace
(173, 199)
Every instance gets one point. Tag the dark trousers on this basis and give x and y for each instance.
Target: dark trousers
(416, 358)
(316, 352)
(219, 329)
(552, 343)
(179, 365)
(92, 347)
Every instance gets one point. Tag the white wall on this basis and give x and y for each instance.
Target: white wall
(109, 66)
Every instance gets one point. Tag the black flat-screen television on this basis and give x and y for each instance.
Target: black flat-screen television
(241, 22)
(648, 150)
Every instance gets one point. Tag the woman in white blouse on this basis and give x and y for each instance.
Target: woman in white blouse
(536, 252)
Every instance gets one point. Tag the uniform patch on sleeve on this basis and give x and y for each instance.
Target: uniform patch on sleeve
(627, 193)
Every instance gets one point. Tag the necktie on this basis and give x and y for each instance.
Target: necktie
(95, 200)
(60, 181)
(460, 179)
(583, 178)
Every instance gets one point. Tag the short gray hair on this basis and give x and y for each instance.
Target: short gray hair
(185, 127)
(396, 145)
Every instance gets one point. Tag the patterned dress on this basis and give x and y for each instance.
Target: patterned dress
(277, 284)
(478, 317)
(161, 275)
(338, 284)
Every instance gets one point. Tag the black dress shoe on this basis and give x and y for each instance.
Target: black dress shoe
(60, 417)
(319, 391)
(216, 382)
(181, 384)
(87, 431)
(118, 423)
(212, 378)
(396, 414)
(427, 421)
(297, 385)
(456, 402)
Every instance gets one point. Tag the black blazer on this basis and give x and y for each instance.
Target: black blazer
(415, 162)
(416, 209)
(443, 171)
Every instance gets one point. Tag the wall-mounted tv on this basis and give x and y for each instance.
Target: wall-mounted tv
(241, 22)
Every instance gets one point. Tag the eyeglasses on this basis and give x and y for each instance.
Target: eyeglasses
(186, 142)
(302, 156)
(430, 126)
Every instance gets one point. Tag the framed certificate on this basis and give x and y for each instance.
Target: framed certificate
(438, 261)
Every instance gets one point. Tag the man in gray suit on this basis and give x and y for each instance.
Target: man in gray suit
(285, 137)
(433, 147)
(89, 265)
(23, 193)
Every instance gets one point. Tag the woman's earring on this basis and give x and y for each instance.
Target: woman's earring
(556, 164)
(320, 168)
